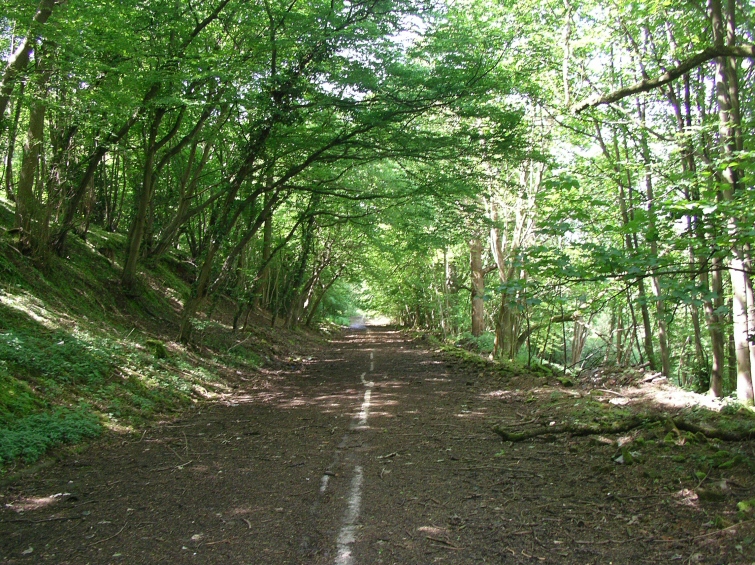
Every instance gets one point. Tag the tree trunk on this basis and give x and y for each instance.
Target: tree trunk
(188, 187)
(198, 295)
(241, 280)
(322, 294)
(715, 324)
(30, 212)
(478, 287)
(713, 283)
(727, 92)
(20, 59)
(578, 340)
(623, 185)
(652, 240)
(143, 199)
(262, 296)
(9, 191)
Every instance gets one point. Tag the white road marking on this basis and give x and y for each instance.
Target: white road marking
(348, 533)
(324, 483)
(365, 406)
(368, 384)
(372, 355)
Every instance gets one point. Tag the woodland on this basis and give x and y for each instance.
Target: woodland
(564, 183)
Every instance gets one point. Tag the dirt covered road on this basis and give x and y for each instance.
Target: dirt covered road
(376, 450)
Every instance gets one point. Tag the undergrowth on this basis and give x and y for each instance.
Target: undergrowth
(30, 437)
(57, 356)
(77, 356)
(478, 352)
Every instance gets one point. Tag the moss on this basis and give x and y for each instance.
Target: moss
(157, 348)
(17, 398)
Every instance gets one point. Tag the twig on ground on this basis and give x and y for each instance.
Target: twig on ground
(181, 466)
(658, 540)
(28, 521)
(445, 543)
(714, 532)
(175, 453)
(609, 391)
(226, 540)
(111, 537)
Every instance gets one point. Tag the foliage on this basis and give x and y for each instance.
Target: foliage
(58, 357)
(483, 343)
(17, 398)
(318, 160)
(30, 437)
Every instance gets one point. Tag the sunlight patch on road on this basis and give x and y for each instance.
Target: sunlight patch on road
(501, 394)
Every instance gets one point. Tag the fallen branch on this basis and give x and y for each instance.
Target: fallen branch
(111, 537)
(625, 425)
(714, 433)
(444, 543)
(172, 467)
(616, 427)
(227, 540)
(43, 520)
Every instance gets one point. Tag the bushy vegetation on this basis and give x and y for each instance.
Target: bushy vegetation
(17, 398)
(70, 366)
(483, 343)
(57, 357)
(30, 437)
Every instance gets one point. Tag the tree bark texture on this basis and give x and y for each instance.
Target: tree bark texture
(478, 287)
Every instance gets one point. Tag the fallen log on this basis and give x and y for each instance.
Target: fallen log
(575, 429)
(715, 433)
(625, 425)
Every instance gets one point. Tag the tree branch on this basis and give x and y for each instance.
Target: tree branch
(645, 85)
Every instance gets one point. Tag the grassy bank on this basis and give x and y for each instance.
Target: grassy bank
(78, 358)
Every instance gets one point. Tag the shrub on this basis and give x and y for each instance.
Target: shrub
(482, 344)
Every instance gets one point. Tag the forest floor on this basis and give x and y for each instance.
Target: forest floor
(378, 449)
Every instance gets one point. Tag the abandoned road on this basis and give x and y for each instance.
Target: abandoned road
(376, 450)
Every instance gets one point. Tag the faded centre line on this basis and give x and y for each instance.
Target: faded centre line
(347, 534)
